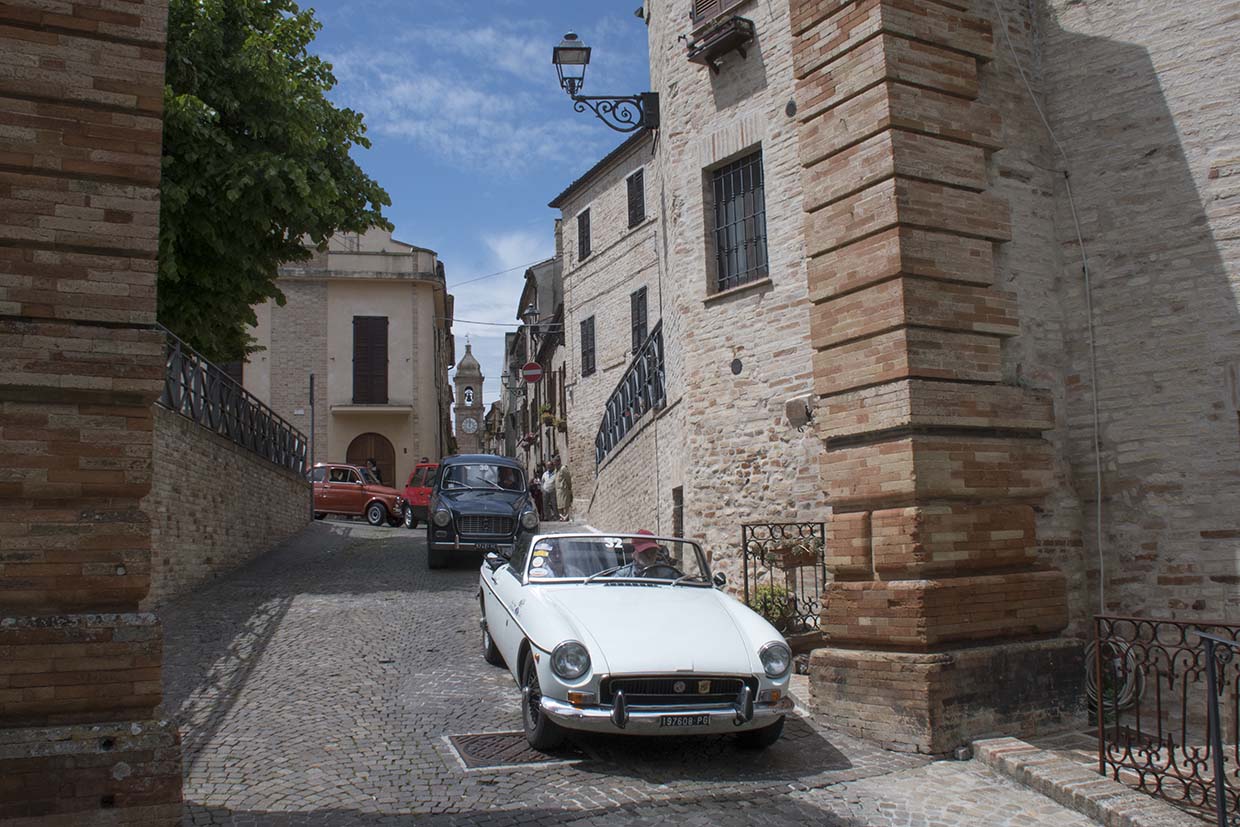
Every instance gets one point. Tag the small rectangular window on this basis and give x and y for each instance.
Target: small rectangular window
(583, 235)
(739, 222)
(587, 347)
(637, 198)
(637, 317)
(678, 511)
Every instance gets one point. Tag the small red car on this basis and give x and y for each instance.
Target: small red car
(418, 493)
(353, 491)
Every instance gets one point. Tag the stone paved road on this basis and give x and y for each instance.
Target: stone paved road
(316, 686)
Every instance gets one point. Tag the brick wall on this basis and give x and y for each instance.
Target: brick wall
(213, 506)
(81, 90)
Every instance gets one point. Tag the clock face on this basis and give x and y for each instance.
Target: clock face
(469, 425)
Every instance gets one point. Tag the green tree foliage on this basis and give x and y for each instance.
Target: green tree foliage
(256, 162)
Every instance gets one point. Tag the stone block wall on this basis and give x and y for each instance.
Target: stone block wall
(213, 506)
(81, 90)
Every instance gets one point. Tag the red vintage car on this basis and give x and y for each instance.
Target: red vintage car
(418, 493)
(353, 491)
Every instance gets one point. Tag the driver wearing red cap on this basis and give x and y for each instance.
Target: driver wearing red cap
(646, 554)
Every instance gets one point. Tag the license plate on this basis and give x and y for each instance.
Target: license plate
(485, 546)
(675, 721)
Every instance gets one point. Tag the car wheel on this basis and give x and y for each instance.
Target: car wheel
(411, 521)
(542, 733)
(490, 652)
(376, 514)
(761, 738)
(318, 515)
(436, 558)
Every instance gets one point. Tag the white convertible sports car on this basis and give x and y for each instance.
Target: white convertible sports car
(630, 634)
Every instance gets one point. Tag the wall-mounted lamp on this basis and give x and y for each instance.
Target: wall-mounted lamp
(626, 113)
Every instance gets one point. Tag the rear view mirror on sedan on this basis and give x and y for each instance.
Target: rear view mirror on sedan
(720, 580)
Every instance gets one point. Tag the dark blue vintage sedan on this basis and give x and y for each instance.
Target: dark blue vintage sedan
(477, 505)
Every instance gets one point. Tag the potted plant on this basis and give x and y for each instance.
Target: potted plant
(547, 417)
(561, 426)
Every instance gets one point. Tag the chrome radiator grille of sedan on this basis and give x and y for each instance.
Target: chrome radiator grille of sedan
(659, 690)
(491, 526)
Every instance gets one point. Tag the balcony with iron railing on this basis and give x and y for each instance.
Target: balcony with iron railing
(641, 391)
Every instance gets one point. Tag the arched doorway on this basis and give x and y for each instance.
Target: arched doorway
(377, 447)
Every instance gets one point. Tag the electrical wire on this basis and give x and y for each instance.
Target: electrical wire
(496, 273)
(1089, 310)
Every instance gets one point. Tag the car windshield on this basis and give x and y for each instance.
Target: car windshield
(370, 478)
(598, 558)
(484, 475)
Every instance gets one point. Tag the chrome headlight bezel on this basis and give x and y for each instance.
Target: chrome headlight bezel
(441, 517)
(580, 664)
(531, 523)
(770, 655)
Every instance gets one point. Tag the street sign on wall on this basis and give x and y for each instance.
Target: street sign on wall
(531, 372)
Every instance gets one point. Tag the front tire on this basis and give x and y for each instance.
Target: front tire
(761, 738)
(411, 522)
(376, 513)
(490, 652)
(542, 733)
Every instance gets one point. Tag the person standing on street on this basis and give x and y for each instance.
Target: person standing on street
(373, 467)
(548, 487)
(536, 491)
(563, 488)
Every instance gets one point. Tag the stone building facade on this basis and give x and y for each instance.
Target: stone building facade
(936, 174)
(81, 90)
(371, 318)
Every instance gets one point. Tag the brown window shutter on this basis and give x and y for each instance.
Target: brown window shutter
(704, 10)
(370, 360)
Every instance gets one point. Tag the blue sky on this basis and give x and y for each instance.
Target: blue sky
(471, 133)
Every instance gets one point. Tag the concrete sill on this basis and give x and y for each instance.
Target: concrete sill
(752, 286)
(395, 408)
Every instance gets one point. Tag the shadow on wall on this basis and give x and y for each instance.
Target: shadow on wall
(1165, 306)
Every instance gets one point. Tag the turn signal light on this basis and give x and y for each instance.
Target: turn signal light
(580, 698)
(769, 696)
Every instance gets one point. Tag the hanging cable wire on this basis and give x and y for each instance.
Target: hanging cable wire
(496, 273)
(1089, 310)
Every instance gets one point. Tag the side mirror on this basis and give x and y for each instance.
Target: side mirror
(720, 580)
(494, 561)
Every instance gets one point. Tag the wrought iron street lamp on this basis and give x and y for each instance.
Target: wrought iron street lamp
(625, 113)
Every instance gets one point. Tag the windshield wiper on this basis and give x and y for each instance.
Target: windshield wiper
(604, 573)
(685, 577)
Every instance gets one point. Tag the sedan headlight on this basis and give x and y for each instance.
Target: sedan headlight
(529, 520)
(776, 659)
(441, 517)
(570, 660)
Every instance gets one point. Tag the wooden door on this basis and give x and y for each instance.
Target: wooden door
(376, 447)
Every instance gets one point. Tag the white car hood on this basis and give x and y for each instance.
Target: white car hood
(655, 629)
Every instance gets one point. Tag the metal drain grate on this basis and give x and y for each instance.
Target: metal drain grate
(496, 750)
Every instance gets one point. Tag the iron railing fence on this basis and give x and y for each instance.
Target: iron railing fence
(784, 573)
(642, 389)
(201, 391)
(1158, 686)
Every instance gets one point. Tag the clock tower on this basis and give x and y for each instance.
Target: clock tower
(468, 407)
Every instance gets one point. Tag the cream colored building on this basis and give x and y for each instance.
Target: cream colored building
(372, 320)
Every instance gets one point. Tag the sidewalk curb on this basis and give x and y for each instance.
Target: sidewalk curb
(1076, 786)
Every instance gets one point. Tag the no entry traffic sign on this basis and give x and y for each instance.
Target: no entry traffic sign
(531, 372)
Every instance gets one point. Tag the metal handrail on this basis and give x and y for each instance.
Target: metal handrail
(201, 391)
(640, 390)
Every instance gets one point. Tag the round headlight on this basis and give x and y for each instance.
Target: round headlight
(529, 520)
(441, 518)
(570, 660)
(776, 659)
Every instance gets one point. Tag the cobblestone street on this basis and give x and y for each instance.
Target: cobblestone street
(319, 684)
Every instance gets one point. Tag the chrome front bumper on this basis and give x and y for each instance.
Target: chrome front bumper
(646, 720)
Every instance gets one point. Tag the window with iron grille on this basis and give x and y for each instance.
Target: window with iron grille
(583, 235)
(637, 308)
(740, 222)
(370, 360)
(587, 346)
(637, 198)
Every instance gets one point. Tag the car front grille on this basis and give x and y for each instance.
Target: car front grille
(486, 526)
(659, 690)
